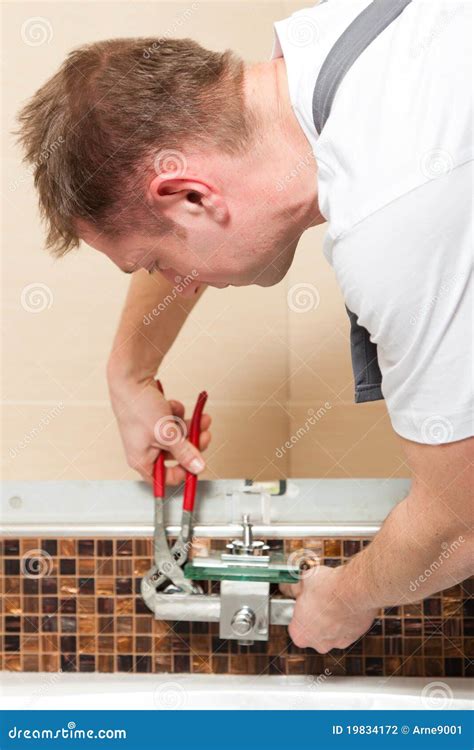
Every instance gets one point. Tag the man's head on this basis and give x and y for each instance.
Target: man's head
(163, 155)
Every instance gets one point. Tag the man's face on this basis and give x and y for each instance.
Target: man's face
(235, 225)
(255, 246)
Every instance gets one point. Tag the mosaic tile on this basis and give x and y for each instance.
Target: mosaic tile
(84, 613)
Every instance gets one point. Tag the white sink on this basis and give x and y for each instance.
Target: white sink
(31, 691)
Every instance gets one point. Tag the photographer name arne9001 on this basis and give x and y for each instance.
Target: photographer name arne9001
(450, 729)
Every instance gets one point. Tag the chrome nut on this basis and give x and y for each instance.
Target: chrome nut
(243, 621)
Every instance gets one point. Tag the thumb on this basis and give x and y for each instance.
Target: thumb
(188, 456)
(170, 432)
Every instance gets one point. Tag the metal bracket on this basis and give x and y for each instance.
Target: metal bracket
(245, 610)
(204, 607)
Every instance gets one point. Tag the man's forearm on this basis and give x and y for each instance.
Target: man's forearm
(414, 555)
(424, 546)
(153, 315)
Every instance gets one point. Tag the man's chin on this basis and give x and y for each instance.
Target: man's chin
(267, 282)
(190, 291)
(263, 280)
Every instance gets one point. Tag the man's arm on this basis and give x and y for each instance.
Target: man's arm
(153, 315)
(424, 546)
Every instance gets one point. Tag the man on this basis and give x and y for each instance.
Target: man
(185, 163)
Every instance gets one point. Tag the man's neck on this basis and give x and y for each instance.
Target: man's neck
(280, 138)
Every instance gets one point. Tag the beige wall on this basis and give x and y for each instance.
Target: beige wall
(264, 364)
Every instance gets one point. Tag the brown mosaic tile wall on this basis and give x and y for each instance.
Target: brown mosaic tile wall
(74, 605)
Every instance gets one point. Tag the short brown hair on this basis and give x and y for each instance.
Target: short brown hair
(94, 127)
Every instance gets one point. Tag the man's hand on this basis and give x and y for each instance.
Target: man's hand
(152, 317)
(424, 546)
(148, 423)
(323, 619)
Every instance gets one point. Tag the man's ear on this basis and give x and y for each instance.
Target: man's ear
(181, 198)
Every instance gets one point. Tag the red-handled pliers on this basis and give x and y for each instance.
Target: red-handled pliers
(168, 562)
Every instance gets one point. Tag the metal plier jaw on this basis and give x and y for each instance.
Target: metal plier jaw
(168, 563)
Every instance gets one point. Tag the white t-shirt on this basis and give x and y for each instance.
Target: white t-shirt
(395, 185)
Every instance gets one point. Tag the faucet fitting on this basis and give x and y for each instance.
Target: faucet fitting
(247, 545)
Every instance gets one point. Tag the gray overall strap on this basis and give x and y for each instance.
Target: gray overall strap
(354, 40)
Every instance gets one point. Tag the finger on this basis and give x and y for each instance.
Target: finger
(188, 456)
(297, 634)
(175, 475)
(322, 648)
(177, 407)
(292, 590)
(206, 420)
(148, 478)
(204, 440)
(144, 468)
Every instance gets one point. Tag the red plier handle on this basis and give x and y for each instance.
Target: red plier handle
(159, 469)
(190, 482)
